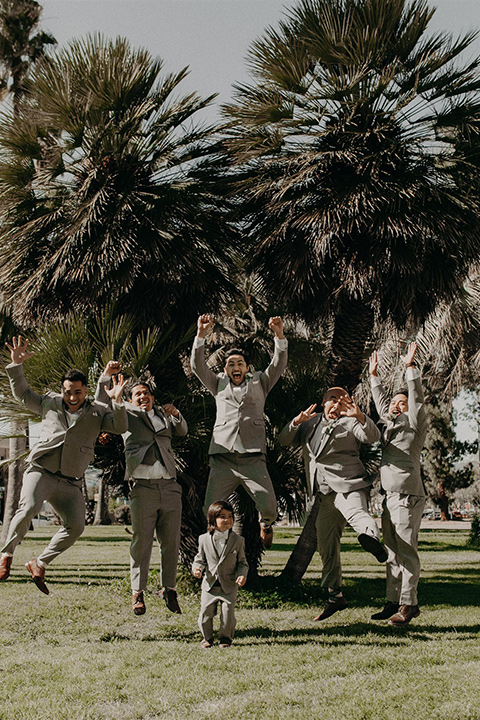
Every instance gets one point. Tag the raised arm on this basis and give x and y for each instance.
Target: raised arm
(416, 400)
(197, 359)
(280, 355)
(380, 397)
(20, 388)
(291, 433)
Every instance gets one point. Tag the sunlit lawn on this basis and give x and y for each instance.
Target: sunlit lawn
(81, 653)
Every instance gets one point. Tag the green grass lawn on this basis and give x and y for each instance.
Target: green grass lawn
(80, 653)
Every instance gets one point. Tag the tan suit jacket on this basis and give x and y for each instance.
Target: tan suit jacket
(64, 449)
(142, 440)
(402, 440)
(225, 568)
(244, 418)
(336, 464)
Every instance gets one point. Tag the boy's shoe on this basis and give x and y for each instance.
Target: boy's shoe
(373, 546)
(390, 609)
(331, 607)
(170, 597)
(404, 615)
(5, 565)
(138, 603)
(38, 575)
(207, 643)
(266, 536)
(224, 642)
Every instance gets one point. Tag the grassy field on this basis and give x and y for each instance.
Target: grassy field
(80, 653)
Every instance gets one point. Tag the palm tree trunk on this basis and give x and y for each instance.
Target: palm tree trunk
(305, 547)
(102, 516)
(353, 327)
(18, 445)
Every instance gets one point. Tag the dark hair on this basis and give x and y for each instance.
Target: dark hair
(214, 512)
(401, 391)
(236, 351)
(74, 375)
(133, 382)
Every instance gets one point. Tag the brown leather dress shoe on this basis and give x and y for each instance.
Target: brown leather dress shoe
(332, 607)
(170, 597)
(138, 603)
(38, 575)
(266, 536)
(5, 565)
(390, 609)
(404, 615)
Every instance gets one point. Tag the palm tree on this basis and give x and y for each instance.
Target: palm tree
(20, 46)
(355, 148)
(110, 191)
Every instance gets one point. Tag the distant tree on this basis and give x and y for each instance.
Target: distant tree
(20, 45)
(443, 462)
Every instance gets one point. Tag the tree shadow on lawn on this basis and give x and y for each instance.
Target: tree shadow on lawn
(452, 588)
(359, 633)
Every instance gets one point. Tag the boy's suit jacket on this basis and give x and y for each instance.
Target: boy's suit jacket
(141, 439)
(245, 417)
(225, 568)
(402, 440)
(336, 464)
(67, 450)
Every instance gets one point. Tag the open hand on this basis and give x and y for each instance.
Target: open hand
(373, 364)
(305, 415)
(409, 357)
(115, 392)
(18, 352)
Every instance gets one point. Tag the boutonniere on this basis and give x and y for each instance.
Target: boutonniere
(328, 429)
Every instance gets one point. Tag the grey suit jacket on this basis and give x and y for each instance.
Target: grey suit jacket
(67, 450)
(402, 440)
(245, 418)
(225, 568)
(336, 465)
(141, 439)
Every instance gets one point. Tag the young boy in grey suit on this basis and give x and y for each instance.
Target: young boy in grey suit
(331, 444)
(403, 424)
(238, 446)
(70, 427)
(156, 496)
(221, 556)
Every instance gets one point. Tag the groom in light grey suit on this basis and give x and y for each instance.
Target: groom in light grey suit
(70, 427)
(331, 443)
(156, 496)
(238, 446)
(403, 424)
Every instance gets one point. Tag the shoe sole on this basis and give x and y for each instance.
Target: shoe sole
(374, 547)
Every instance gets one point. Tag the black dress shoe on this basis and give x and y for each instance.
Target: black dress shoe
(170, 597)
(373, 546)
(390, 609)
(332, 607)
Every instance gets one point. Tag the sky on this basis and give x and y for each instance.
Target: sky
(212, 37)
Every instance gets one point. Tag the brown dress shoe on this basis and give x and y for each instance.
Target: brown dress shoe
(138, 603)
(390, 609)
(5, 565)
(170, 597)
(332, 607)
(38, 575)
(404, 615)
(266, 536)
